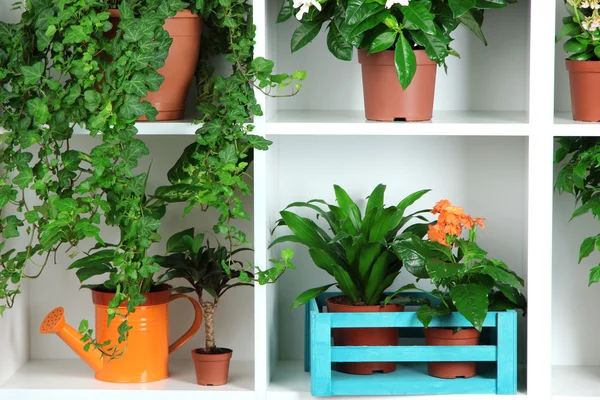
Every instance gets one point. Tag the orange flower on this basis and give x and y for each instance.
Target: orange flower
(479, 221)
(435, 234)
(441, 206)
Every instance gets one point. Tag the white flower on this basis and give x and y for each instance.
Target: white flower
(304, 6)
(390, 3)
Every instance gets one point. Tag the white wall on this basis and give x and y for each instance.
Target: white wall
(485, 78)
(562, 94)
(484, 175)
(575, 316)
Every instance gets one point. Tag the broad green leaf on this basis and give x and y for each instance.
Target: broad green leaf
(491, 4)
(93, 269)
(323, 260)
(389, 298)
(574, 46)
(383, 285)
(502, 276)
(327, 216)
(473, 19)
(376, 198)
(102, 256)
(24, 179)
(368, 254)
(383, 223)
(346, 284)
(411, 199)
(286, 11)
(175, 243)
(594, 275)
(471, 251)
(177, 193)
(75, 34)
(310, 294)
(92, 100)
(442, 270)
(262, 67)
(471, 300)
(587, 247)
(11, 227)
(135, 85)
(459, 7)
(568, 30)
(383, 41)
(426, 313)
(308, 233)
(436, 46)
(418, 15)
(33, 73)
(285, 239)
(39, 110)
(349, 206)
(377, 275)
(338, 45)
(304, 34)
(414, 255)
(373, 16)
(353, 11)
(132, 108)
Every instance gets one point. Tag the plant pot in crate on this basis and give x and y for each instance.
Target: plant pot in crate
(584, 77)
(185, 28)
(447, 337)
(212, 369)
(385, 100)
(147, 354)
(363, 336)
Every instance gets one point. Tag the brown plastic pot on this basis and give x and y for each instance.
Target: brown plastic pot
(212, 369)
(363, 336)
(447, 337)
(584, 77)
(385, 100)
(185, 28)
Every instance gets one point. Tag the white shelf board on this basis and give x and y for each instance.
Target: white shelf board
(575, 382)
(290, 382)
(564, 125)
(73, 379)
(167, 128)
(463, 123)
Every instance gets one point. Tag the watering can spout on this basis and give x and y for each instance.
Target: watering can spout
(55, 323)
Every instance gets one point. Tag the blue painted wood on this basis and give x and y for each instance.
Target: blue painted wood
(402, 319)
(507, 352)
(408, 379)
(307, 328)
(321, 354)
(499, 349)
(413, 353)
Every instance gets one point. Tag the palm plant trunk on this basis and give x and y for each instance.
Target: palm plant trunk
(209, 325)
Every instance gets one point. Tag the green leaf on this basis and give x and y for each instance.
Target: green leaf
(323, 260)
(441, 270)
(262, 67)
(383, 41)
(414, 256)
(24, 179)
(259, 142)
(309, 294)
(426, 313)
(11, 227)
(471, 300)
(378, 274)
(39, 110)
(338, 45)
(75, 34)
(418, 15)
(411, 199)
(574, 46)
(491, 4)
(83, 326)
(594, 275)
(353, 11)
(373, 16)
(459, 7)
(92, 100)
(368, 254)
(405, 61)
(136, 85)
(91, 270)
(569, 30)
(32, 74)
(349, 206)
(376, 198)
(473, 19)
(132, 108)
(587, 247)
(346, 284)
(305, 34)
(286, 11)
(103, 256)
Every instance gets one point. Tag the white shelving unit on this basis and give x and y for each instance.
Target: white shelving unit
(488, 148)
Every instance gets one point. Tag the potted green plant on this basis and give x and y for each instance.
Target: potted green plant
(579, 176)
(582, 29)
(464, 280)
(210, 272)
(173, 29)
(359, 257)
(399, 43)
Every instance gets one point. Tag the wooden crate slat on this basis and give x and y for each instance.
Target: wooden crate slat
(413, 353)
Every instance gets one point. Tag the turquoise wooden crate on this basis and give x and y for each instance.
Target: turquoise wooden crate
(498, 354)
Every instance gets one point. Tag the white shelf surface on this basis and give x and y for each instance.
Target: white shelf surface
(290, 382)
(565, 126)
(575, 382)
(459, 123)
(167, 128)
(73, 379)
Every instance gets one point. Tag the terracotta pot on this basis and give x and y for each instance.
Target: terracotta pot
(211, 369)
(385, 100)
(146, 357)
(585, 89)
(447, 337)
(185, 29)
(363, 336)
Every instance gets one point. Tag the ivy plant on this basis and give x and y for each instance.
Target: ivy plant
(378, 25)
(579, 175)
(582, 30)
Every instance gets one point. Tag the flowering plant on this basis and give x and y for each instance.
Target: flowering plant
(464, 279)
(378, 25)
(582, 27)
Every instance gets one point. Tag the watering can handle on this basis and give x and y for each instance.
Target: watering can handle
(195, 326)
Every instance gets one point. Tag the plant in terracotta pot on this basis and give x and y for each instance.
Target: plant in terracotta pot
(358, 255)
(582, 31)
(173, 29)
(210, 272)
(399, 44)
(579, 176)
(464, 280)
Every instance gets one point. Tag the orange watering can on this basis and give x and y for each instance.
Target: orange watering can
(147, 353)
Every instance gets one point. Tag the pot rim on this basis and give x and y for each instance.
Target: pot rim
(353, 308)
(160, 295)
(115, 13)
(591, 66)
(448, 333)
(206, 357)
(386, 58)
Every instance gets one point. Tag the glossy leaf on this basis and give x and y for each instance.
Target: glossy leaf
(426, 313)
(383, 41)
(305, 34)
(419, 16)
(286, 11)
(337, 44)
(587, 247)
(309, 294)
(473, 19)
(471, 300)
(459, 7)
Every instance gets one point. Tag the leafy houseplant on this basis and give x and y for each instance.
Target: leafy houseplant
(580, 177)
(213, 271)
(464, 280)
(582, 29)
(358, 255)
(407, 36)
